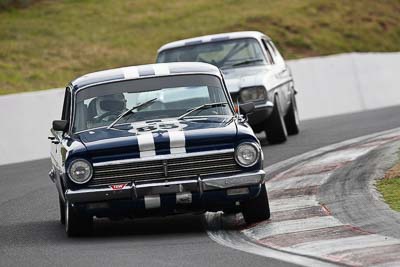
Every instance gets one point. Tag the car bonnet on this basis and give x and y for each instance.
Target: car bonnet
(159, 137)
(236, 78)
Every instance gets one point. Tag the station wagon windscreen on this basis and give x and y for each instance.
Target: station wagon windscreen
(223, 54)
(100, 105)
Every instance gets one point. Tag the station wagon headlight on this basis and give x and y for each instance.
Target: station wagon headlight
(253, 94)
(247, 154)
(80, 171)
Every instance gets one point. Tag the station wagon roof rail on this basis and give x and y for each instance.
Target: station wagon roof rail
(213, 38)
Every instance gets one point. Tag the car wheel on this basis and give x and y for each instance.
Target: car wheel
(256, 209)
(77, 223)
(292, 121)
(62, 210)
(276, 128)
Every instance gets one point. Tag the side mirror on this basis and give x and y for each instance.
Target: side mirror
(246, 108)
(60, 125)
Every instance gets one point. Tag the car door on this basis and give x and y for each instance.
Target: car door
(280, 75)
(57, 150)
(284, 73)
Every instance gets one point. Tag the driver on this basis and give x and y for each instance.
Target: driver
(108, 107)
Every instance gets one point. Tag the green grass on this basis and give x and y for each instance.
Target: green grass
(390, 190)
(7, 4)
(51, 42)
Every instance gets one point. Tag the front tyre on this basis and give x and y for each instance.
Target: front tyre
(77, 223)
(276, 128)
(256, 209)
(62, 210)
(292, 118)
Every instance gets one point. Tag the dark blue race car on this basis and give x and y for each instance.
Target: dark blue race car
(154, 140)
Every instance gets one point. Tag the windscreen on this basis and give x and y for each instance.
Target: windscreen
(100, 105)
(223, 54)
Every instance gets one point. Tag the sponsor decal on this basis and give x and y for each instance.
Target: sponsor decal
(117, 186)
(156, 126)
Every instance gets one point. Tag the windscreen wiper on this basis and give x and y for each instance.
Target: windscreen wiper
(129, 111)
(202, 107)
(246, 62)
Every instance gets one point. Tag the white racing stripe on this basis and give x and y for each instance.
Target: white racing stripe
(267, 229)
(161, 69)
(146, 145)
(131, 73)
(207, 39)
(177, 141)
(325, 247)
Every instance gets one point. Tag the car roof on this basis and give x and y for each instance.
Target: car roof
(144, 71)
(212, 38)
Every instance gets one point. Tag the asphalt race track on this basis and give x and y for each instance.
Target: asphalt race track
(30, 233)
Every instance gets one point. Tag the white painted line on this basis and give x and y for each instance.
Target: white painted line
(326, 247)
(388, 264)
(306, 156)
(298, 181)
(349, 154)
(235, 240)
(293, 203)
(267, 229)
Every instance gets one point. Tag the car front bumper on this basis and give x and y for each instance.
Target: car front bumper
(150, 192)
(261, 113)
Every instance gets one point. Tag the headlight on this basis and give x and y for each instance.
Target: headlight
(253, 94)
(80, 171)
(247, 154)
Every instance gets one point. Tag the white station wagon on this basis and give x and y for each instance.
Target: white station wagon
(254, 71)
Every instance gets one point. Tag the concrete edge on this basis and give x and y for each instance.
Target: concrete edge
(238, 240)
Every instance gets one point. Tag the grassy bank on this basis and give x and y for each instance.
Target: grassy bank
(51, 42)
(389, 187)
(8, 4)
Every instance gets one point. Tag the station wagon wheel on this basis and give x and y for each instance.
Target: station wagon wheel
(275, 126)
(292, 120)
(256, 209)
(77, 223)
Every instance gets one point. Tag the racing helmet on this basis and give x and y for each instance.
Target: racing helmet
(115, 103)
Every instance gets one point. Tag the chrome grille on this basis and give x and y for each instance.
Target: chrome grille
(166, 169)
